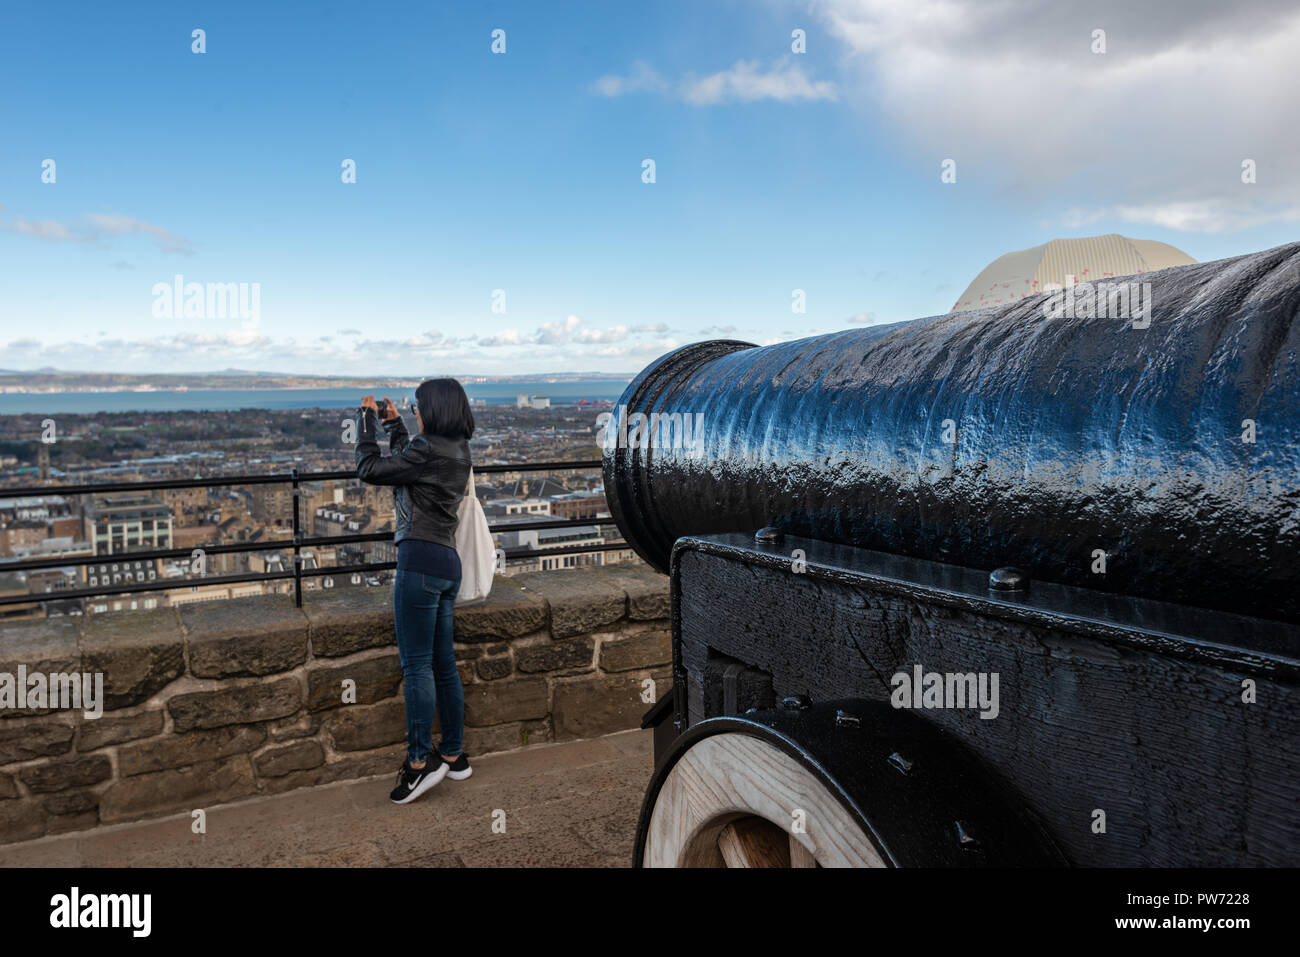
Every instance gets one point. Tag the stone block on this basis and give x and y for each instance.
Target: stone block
(177, 789)
(347, 620)
(509, 611)
(363, 727)
(288, 729)
(648, 650)
(375, 678)
(257, 635)
(490, 669)
(579, 603)
(299, 756)
(499, 702)
(138, 652)
(59, 775)
(45, 645)
(71, 802)
(589, 707)
(179, 750)
(566, 657)
(24, 739)
(649, 594)
(21, 821)
(244, 704)
(115, 729)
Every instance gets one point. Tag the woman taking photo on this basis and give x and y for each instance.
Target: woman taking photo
(428, 474)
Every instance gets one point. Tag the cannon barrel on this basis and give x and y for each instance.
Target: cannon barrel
(1002, 436)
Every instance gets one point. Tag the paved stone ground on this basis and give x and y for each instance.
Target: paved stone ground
(566, 805)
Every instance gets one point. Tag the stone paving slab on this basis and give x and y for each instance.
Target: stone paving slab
(562, 805)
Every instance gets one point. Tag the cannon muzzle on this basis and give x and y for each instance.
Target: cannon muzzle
(1147, 445)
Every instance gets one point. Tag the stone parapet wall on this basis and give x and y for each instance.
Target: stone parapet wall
(208, 703)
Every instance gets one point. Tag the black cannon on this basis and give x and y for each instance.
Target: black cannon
(996, 587)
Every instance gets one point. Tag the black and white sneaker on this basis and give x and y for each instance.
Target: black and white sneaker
(459, 769)
(412, 782)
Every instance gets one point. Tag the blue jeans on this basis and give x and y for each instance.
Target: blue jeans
(423, 617)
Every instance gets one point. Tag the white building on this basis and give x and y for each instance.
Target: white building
(1062, 262)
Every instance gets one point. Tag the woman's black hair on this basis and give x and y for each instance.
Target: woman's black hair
(444, 409)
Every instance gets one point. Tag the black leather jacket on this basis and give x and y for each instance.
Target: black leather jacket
(428, 474)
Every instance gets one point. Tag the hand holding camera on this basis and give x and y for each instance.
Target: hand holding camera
(385, 408)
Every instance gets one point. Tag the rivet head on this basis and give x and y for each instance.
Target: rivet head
(796, 703)
(845, 720)
(967, 840)
(769, 535)
(901, 763)
(1008, 578)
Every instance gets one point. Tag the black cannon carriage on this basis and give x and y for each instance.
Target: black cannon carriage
(989, 588)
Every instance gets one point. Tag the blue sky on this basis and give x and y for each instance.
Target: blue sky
(522, 171)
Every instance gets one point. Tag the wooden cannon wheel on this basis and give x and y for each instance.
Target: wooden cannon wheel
(736, 800)
(843, 783)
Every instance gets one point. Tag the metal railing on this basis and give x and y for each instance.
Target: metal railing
(298, 542)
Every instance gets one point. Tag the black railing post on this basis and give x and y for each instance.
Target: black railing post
(297, 541)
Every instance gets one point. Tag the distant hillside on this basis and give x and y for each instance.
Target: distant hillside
(53, 380)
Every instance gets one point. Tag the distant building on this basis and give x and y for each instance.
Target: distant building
(120, 572)
(272, 504)
(116, 526)
(123, 523)
(508, 507)
(181, 500)
(334, 520)
(64, 526)
(532, 402)
(21, 534)
(546, 539)
(579, 504)
(34, 507)
(54, 579)
(215, 592)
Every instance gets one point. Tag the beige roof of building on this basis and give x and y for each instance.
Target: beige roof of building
(1030, 271)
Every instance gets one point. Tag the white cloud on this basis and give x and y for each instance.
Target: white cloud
(1154, 130)
(117, 225)
(612, 334)
(744, 82)
(43, 229)
(1200, 216)
(569, 330)
(642, 79)
(510, 337)
(244, 347)
(99, 229)
(656, 346)
(556, 333)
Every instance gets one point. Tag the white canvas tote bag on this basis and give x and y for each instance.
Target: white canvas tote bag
(478, 556)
